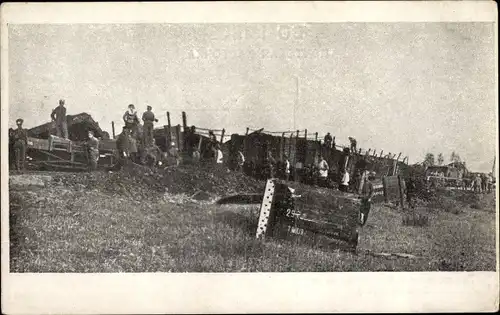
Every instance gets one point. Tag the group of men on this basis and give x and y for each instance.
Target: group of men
(329, 142)
(18, 138)
(479, 183)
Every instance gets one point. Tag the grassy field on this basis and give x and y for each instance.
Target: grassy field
(81, 229)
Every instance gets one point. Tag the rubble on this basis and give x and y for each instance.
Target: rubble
(141, 182)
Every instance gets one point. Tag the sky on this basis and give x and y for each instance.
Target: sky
(399, 87)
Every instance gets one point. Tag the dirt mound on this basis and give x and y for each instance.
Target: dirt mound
(142, 182)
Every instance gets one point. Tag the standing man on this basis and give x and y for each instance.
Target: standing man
(366, 198)
(344, 183)
(130, 118)
(148, 117)
(323, 172)
(20, 138)
(123, 144)
(191, 142)
(478, 184)
(220, 156)
(93, 147)
(287, 168)
(484, 181)
(212, 144)
(354, 143)
(490, 182)
(271, 163)
(328, 140)
(59, 116)
(173, 154)
(241, 160)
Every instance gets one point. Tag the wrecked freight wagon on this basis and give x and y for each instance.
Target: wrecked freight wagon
(322, 218)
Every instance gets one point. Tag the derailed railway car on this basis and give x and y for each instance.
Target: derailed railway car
(310, 218)
(301, 151)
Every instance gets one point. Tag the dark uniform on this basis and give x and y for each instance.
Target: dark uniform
(149, 118)
(123, 144)
(366, 196)
(328, 140)
(20, 139)
(354, 144)
(59, 116)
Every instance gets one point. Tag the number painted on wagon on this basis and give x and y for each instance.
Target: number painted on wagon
(296, 230)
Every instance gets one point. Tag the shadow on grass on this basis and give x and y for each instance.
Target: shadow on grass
(246, 224)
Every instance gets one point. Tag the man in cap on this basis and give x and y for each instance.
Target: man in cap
(123, 144)
(271, 164)
(173, 154)
(148, 117)
(152, 155)
(354, 143)
(59, 116)
(366, 198)
(328, 140)
(20, 139)
(130, 118)
(93, 147)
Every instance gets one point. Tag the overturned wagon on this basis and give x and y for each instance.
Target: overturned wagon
(311, 218)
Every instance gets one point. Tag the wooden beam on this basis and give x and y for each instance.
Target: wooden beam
(184, 122)
(222, 136)
(113, 129)
(282, 146)
(169, 131)
(178, 133)
(166, 130)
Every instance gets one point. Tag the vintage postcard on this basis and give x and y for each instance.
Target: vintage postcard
(249, 157)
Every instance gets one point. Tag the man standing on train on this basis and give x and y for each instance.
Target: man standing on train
(328, 140)
(130, 118)
(148, 117)
(59, 116)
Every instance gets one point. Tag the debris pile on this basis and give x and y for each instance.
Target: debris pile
(141, 182)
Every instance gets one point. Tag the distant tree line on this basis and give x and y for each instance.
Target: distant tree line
(430, 159)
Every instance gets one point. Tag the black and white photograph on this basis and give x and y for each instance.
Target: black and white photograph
(250, 147)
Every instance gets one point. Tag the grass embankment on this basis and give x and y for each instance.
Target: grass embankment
(91, 228)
